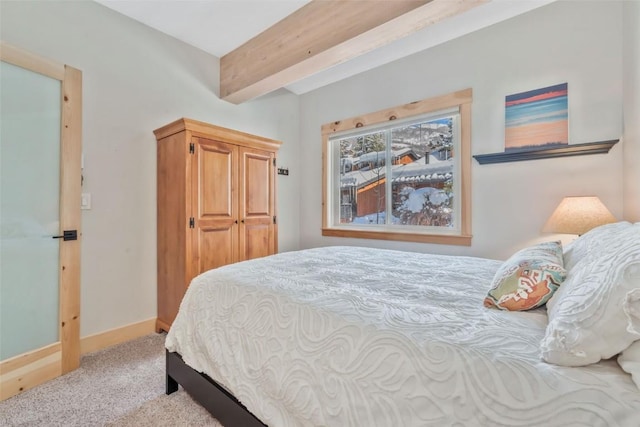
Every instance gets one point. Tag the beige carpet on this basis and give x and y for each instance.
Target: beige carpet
(119, 386)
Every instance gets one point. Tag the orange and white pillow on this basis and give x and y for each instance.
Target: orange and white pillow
(528, 278)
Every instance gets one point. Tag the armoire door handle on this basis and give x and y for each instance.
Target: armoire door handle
(242, 221)
(236, 221)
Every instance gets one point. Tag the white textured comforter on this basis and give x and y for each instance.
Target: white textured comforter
(346, 336)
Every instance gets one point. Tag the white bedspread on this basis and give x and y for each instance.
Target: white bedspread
(346, 336)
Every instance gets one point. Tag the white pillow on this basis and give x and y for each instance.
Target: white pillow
(589, 242)
(631, 304)
(587, 322)
(629, 361)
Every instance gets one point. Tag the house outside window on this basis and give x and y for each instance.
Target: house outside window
(401, 174)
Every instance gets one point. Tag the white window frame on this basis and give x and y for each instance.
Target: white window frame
(456, 104)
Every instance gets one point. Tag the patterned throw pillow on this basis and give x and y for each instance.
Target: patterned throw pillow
(528, 279)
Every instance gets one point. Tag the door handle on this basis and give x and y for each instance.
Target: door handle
(67, 235)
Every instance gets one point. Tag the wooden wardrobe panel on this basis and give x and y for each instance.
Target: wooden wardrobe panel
(257, 184)
(256, 239)
(217, 178)
(172, 226)
(216, 246)
(257, 173)
(257, 210)
(216, 204)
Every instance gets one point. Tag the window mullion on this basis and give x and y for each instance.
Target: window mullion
(389, 176)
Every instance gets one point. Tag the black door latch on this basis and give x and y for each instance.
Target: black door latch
(68, 235)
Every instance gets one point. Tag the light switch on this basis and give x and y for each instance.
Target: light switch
(85, 201)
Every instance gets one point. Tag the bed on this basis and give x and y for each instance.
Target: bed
(341, 336)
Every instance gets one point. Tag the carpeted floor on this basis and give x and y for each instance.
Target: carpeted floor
(120, 386)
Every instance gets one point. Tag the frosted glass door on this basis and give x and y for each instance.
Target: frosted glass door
(30, 115)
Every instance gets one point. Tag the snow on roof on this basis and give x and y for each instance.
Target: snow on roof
(402, 151)
(370, 157)
(440, 170)
(437, 171)
(380, 155)
(360, 177)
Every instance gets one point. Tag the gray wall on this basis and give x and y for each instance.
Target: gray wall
(511, 201)
(631, 82)
(135, 80)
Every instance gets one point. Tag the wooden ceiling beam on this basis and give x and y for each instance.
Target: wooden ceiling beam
(321, 34)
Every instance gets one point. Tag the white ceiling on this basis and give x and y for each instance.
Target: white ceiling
(215, 26)
(220, 26)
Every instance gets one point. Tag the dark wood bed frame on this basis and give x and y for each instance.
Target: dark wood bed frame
(208, 393)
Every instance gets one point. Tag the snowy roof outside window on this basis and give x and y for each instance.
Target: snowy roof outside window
(436, 170)
(401, 152)
(380, 155)
(372, 156)
(439, 170)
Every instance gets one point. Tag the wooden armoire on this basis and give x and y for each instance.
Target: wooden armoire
(216, 204)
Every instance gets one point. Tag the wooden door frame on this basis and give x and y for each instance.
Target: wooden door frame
(27, 370)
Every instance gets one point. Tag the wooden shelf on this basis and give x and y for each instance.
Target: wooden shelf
(600, 147)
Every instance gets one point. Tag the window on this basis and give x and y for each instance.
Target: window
(401, 174)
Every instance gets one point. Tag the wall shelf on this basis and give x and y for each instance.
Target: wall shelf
(600, 147)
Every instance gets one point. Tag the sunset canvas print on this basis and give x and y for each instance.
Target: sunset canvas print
(537, 118)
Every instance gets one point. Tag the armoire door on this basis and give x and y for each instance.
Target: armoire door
(257, 204)
(40, 150)
(214, 187)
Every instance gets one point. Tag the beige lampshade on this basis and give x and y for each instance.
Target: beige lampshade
(577, 215)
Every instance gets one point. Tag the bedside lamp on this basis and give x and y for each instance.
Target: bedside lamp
(577, 215)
